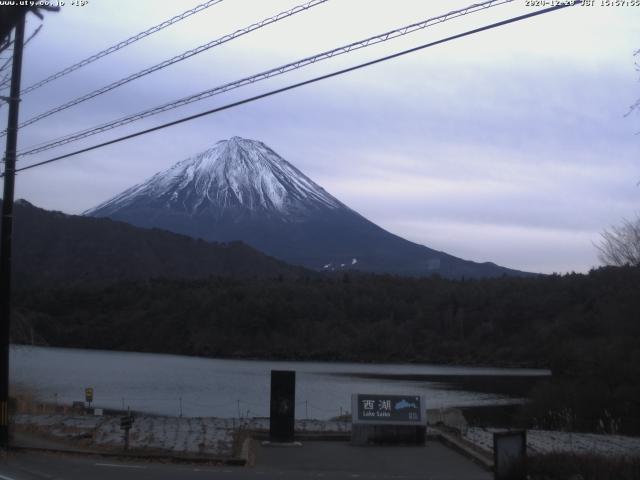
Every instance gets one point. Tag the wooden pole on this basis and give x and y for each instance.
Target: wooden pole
(7, 229)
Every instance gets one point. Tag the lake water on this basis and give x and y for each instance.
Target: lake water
(163, 384)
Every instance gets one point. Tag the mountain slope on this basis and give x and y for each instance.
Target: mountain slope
(53, 249)
(242, 190)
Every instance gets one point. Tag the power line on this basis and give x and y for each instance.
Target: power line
(303, 83)
(383, 37)
(6, 63)
(120, 45)
(178, 58)
(6, 81)
(6, 45)
(32, 36)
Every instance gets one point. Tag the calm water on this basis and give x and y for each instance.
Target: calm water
(230, 388)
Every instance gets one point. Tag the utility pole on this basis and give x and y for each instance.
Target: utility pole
(7, 229)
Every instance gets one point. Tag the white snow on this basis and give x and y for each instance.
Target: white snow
(233, 172)
(546, 441)
(215, 436)
(212, 436)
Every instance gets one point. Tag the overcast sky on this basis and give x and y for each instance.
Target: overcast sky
(509, 146)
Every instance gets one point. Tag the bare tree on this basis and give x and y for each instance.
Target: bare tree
(620, 245)
(636, 105)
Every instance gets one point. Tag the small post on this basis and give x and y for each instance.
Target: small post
(510, 455)
(88, 395)
(125, 424)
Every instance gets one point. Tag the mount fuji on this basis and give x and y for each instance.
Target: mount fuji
(242, 190)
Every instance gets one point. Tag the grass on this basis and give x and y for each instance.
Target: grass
(22, 400)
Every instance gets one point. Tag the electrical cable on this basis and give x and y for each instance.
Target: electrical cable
(303, 83)
(178, 58)
(6, 80)
(120, 45)
(383, 37)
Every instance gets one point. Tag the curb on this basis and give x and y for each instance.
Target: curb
(233, 461)
(246, 457)
(465, 448)
(320, 436)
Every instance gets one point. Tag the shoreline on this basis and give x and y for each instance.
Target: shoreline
(504, 369)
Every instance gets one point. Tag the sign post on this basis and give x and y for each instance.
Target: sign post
(126, 423)
(88, 395)
(388, 419)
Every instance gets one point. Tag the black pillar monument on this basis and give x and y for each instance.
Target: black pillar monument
(283, 405)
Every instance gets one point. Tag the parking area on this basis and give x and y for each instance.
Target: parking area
(339, 459)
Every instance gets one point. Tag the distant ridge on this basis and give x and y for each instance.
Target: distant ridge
(55, 249)
(242, 190)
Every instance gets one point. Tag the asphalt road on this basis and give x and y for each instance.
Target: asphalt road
(342, 460)
(314, 460)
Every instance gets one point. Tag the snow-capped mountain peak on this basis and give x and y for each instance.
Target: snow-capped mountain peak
(240, 189)
(235, 173)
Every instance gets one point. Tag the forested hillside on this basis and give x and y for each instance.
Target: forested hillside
(517, 321)
(586, 328)
(55, 249)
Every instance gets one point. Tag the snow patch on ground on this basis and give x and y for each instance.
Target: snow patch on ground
(204, 436)
(216, 436)
(545, 441)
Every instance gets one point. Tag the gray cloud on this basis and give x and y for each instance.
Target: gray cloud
(510, 146)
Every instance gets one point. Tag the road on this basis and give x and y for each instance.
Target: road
(314, 460)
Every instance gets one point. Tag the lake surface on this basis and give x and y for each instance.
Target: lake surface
(203, 387)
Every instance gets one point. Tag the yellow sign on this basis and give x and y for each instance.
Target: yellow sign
(88, 394)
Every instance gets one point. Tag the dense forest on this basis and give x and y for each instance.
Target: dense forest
(52, 248)
(585, 328)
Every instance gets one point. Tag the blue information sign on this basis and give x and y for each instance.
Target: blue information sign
(388, 408)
